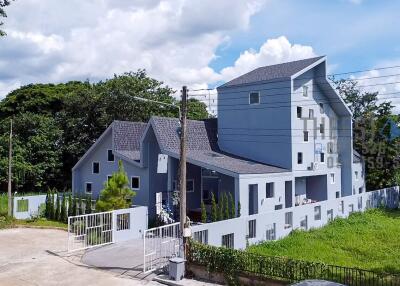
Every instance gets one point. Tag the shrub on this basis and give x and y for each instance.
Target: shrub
(74, 206)
(203, 213)
(221, 204)
(88, 205)
(63, 213)
(52, 209)
(70, 206)
(226, 207)
(57, 215)
(232, 206)
(214, 215)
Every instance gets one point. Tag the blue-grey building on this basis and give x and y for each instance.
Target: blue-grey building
(283, 138)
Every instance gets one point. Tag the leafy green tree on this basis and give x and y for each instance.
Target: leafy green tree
(214, 212)
(203, 212)
(70, 206)
(226, 206)
(116, 193)
(63, 212)
(57, 215)
(3, 3)
(221, 205)
(88, 205)
(52, 206)
(232, 208)
(48, 204)
(75, 206)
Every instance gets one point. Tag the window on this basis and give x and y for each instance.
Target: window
(88, 188)
(22, 205)
(360, 190)
(305, 91)
(356, 174)
(303, 223)
(317, 213)
(288, 220)
(360, 203)
(351, 208)
(321, 107)
(135, 183)
(322, 157)
(228, 240)
(110, 156)
(270, 232)
(201, 236)
(109, 177)
(311, 113)
(254, 98)
(337, 195)
(278, 207)
(341, 206)
(123, 221)
(96, 167)
(322, 128)
(299, 111)
(332, 178)
(299, 158)
(329, 214)
(305, 136)
(269, 190)
(252, 228)
(190, 186)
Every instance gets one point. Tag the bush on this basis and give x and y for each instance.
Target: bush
(214, 213)
(203, 213)
(63, 213)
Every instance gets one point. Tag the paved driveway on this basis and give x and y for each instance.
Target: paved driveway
(39, 257)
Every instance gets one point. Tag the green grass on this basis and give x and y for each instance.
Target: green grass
(369, 240)
(3, 204)
(7, 222)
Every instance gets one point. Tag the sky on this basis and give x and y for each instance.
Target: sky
(196, 43)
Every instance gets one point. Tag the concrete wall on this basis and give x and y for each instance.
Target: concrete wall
(34, 203)
(239, 226)
(138, 224)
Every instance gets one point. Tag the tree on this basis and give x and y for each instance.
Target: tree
(232, 206)
(63, 212)
(214, 214)
(57, 213)
(88, 205)
(116, 193)
(79, 208)
(3, 3)
(221, 205)
(226, 207)
(372, 121)
(48, 204)
(70, 206)
(75, 207)
(203, 212)
(52, 208)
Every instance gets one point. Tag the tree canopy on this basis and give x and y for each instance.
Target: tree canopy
(55, 124)
(3, 3)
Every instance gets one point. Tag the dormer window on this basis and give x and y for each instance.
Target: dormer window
(254, 98)
(305, 91)
(299, 111)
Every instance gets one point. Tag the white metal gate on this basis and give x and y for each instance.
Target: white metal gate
(90, 230)
(160, 244)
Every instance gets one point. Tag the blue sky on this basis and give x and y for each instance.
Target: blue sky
(194, 43)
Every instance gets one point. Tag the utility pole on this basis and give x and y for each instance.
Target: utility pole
(182, 167)
(10, 171)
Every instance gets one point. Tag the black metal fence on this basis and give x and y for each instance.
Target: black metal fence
(236, 262)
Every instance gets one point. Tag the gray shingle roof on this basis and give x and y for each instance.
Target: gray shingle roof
(126, 138)
(278, 71)
(202, 146)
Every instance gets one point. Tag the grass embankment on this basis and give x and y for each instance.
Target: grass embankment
(7, 222)
(369, 240)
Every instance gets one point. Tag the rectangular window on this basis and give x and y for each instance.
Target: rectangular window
(311, 113)
(299, 111)
(228, 240)
(96, 167)
(22, 205)
(337, 195)
(270, 232)
(303, 223)
(254, 98)
(123, 221)
(341, 207)
(332, 178)
(305, 91)
(201, 236)
(317, 213)
(252, 228)
(305, 136)
(88, 188)
(329, 214)
(135, 183)
(269, 190)
(322, 157)
(321, 107)
(322, 128)
(110, 156)
(360, 190)
(288, 220)
(356, 174)
(299, 158)
(351, 208)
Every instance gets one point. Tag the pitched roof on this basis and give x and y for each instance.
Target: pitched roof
(126, 138)
(202, 146)
(278, 71)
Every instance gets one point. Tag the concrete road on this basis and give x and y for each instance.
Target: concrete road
(39, 257)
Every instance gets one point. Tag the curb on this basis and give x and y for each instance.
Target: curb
(38, 227)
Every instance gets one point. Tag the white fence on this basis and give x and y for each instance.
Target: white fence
(25, 207)
(160, 244)
(279, 223)
(91, 230)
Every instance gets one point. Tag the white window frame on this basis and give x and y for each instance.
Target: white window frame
(138, 188)
(273, 189)
(86, 183)
(113, 155)
(332, 177)
(93, 167)
(252, 228)
(305, 90)
(259, 98)
(229, 240)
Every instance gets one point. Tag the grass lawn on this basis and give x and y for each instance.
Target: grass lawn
(369, 240)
